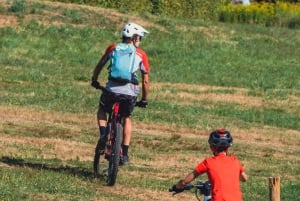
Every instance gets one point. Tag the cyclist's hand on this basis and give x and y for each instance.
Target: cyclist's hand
(142, 103)
(95, 84)
(175, 189)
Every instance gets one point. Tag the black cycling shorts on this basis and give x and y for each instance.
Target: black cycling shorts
(127, 102)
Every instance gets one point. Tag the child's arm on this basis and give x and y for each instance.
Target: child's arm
(243, 177)
(188, 179)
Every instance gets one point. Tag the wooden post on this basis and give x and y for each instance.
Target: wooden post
(274, 187)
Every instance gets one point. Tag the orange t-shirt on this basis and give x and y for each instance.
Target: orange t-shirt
(224, 175)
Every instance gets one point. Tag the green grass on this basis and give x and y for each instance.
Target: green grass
(47, 60)
(33, 181)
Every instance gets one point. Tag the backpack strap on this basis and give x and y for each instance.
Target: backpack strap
(132, 59)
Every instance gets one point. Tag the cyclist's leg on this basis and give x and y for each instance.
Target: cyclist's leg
(102, 120)
(127, 109)
(105, 105)
(127, 129)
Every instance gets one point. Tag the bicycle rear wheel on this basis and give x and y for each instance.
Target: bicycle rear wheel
(115, 155)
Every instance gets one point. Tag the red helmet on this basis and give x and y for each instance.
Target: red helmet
(220, 139)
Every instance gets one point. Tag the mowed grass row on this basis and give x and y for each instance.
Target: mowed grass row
(204, 76)
(160, 155)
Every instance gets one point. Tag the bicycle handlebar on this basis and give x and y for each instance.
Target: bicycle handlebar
(176, 190)
(203, 187)
(102, 88)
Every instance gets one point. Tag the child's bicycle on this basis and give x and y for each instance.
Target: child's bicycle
(201, 188)
(113, 150)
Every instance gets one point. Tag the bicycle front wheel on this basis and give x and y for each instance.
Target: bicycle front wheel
(115, 155)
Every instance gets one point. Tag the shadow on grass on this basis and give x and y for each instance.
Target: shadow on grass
(75, 171)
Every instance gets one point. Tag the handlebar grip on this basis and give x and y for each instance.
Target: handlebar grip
(188, 187)
(176, 190)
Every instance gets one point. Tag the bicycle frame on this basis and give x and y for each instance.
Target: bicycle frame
(114, 144)
(113, 118)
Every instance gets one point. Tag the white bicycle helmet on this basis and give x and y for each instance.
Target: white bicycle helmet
(131, 29)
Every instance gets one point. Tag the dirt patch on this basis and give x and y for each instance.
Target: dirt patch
(23, 114)
(146, 194)
(6, 21)
(212, 32)
(263, 135)
(46, 148)
(113, 15)
(190, 93)
(67, 149)
(259, 142)
(208, 93)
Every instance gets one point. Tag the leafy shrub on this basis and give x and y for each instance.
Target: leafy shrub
(281, 13)
(196, 9)
(269, 14)
(17, 6)
(294, 23)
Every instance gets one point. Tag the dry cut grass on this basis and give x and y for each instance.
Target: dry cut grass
(255, 139)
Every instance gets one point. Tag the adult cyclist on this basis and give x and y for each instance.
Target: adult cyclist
(132, 34)
(224, 171)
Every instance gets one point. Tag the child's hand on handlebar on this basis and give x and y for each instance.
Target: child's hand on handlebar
(175, 189)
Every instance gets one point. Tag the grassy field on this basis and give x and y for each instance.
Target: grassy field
(205, 75)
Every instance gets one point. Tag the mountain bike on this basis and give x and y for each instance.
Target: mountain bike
(114, 134)
(202, 189)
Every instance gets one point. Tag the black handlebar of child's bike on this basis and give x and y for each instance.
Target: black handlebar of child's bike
(176, 190)
(203, 187)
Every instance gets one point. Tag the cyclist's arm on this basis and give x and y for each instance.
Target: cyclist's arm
(243, 177)
(99, 67)
(145, 86)
(102, 63)
(188, 179)
(145, 70)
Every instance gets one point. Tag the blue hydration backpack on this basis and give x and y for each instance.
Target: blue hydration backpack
(122, 63)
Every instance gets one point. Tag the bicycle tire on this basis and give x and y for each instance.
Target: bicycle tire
(115, 155)
(96, 162)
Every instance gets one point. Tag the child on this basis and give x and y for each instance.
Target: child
(224, 172)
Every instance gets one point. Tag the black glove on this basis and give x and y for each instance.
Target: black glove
(95, 84)
(142, 103)
(175, 189)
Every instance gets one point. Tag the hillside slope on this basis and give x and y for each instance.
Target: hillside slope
(48, 125)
